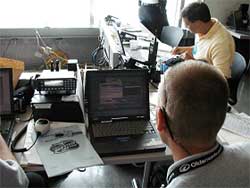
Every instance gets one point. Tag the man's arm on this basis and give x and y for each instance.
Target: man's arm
(222, 58)
(11, 174)
(5, 153)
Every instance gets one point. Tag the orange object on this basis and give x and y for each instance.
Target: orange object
(16, 65)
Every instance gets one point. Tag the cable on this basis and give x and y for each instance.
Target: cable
(39, 37)
(52, 54)
(26, 120)
(18, 137)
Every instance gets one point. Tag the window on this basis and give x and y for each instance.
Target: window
(46, 13)
(126, 10)
(74, 13)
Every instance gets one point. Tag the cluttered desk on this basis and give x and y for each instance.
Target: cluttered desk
(66, 140)
(63, 124)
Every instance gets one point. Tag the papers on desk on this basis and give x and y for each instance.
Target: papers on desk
(238, 123)
(65, 148)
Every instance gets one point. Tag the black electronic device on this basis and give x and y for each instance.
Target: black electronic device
(55, 108)
(68, 108)
(239, 19)
(72, 65)
(118, 112)
(174, 60)
(62, 82)
(153, 47)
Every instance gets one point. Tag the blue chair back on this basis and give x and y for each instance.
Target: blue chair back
(238, 68)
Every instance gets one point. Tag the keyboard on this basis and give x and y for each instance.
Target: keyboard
(7, 129)
(237, 124)
(122, 128)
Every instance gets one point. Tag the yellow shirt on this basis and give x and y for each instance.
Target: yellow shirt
(217, 48)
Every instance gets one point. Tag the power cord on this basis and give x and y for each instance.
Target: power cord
(18, 137)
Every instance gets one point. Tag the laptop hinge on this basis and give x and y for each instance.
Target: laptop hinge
(119, 118)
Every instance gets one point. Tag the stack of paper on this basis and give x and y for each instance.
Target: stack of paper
(64, 148)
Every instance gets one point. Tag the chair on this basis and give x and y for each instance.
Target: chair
(238, 68)
(171, 35)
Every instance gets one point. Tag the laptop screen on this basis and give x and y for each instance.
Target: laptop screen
(6, 91)
(117, 94)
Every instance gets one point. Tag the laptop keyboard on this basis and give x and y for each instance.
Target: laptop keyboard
(7, 129)
(122, 128)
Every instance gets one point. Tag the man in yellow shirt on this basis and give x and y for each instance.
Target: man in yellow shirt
(215, 45)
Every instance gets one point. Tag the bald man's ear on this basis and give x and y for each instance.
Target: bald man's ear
(161, 124)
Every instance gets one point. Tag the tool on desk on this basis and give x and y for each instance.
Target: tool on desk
(118, 112)
(61, 134)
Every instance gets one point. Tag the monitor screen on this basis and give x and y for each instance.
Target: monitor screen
(6, 91)
(119, 93)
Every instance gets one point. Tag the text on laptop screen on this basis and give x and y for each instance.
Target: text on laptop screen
(117, 94)
(6, 91)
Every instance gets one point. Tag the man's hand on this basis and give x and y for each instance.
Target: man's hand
(181, 50)
(186, 56)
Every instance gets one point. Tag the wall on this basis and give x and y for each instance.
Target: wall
(22, 45)
(221, 9)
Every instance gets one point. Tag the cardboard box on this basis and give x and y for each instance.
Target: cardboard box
(16, 65)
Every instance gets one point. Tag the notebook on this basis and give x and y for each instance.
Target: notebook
(6, 104)
(118, 113)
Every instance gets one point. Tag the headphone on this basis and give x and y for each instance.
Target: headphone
(41, 127)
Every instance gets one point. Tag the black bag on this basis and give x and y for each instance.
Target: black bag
(23, 95)
(158, 173)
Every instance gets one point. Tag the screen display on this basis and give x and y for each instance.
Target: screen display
(118, 93)
(53, 83)
(6, 91)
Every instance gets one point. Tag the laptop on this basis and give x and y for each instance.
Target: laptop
(118, 113)
(7, 117)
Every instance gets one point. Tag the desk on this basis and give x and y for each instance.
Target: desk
(122, 159)
(145, 157)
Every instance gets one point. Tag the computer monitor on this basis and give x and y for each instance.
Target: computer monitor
(6, 92)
